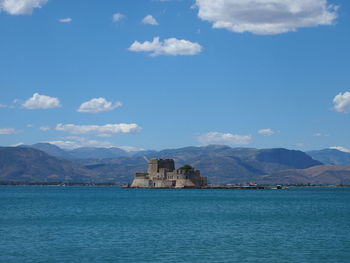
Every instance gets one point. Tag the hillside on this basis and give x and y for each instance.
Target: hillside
(317, 175)
(331, 156)
(50, 149)
(97, 153)
(31, 165)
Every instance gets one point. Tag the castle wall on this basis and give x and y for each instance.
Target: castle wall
(183, 183)
(141, 183)
(153, 166)
(163, 184)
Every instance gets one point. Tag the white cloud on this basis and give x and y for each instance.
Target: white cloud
(117, 17)
(98, 105)
(149, 20)
(266, 132)
(44, 128)
(65, 20)
(224, 138)
(7, 131)
(340, 148)
(104, 130)
(170, 46)
(342, 102)
(21, 7)
(38, 101)
(266, 17)
(300, 144)
(3, 106)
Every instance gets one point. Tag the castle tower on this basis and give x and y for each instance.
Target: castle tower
(155, 165)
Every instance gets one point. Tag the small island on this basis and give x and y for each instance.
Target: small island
(161, 173)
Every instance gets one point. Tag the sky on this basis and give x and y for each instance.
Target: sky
(156, 74)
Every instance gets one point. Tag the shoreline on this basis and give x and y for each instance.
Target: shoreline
(210, 187)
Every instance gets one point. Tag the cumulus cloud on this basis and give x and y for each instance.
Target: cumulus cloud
(149, 20)
(65, 20)
(342, 102)
(224, 138)
(117, 17)
(266, 17)
(98, 105)
(340, 148)
(6, 131)
(21, 7)
(103, 130)
(266, 132)
(44, 128)
(170, 46)
(38, 101)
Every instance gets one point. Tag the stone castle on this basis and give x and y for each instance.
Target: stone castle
(161, 173)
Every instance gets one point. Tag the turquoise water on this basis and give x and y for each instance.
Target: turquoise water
(109, 224)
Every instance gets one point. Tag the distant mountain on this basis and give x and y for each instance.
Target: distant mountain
(224, 164)
(120, 169)
(80, 153)
(331, 156)
(317, 175)
(97, 153)
(50, 149)
(221, 164)
(32, 165)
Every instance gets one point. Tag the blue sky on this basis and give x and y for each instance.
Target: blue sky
(93, 73)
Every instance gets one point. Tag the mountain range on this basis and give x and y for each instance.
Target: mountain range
(19, 164)
(45, 162)
(79, 153)
(325, 156)
(331, 156)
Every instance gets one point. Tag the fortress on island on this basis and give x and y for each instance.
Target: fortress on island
(161, 173)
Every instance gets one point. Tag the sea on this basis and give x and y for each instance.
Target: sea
(111, 224)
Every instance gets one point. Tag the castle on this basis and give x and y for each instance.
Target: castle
(161, 173)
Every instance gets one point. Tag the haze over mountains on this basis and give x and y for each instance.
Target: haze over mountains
(45, 162)
(331, 156)
(80, 153)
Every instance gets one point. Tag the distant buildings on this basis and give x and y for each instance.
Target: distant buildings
(161, 173)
